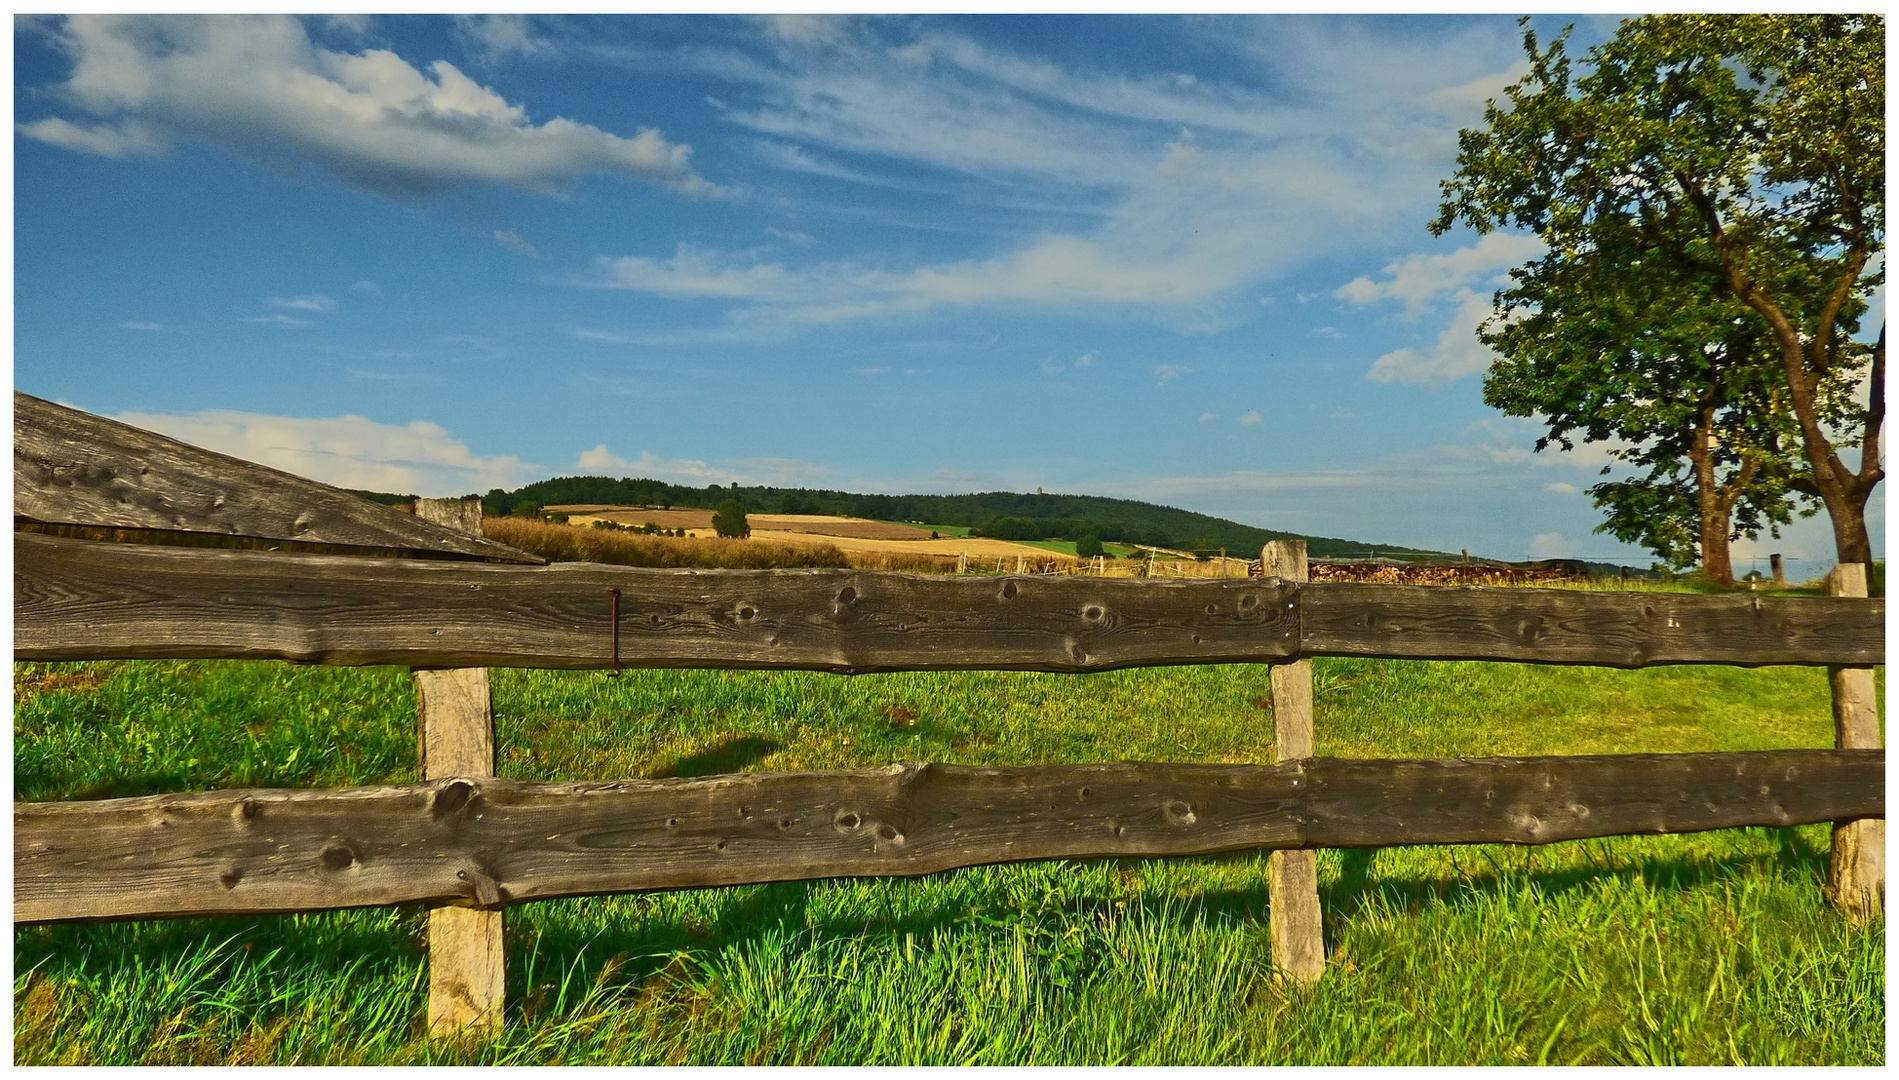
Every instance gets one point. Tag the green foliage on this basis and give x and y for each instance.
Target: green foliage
(1719, 178)
(729, 520)
(1088, 546)
(1715, 947)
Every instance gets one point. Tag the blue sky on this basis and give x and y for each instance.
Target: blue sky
(1181, 260)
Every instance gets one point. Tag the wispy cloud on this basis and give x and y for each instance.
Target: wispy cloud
(258, 88)
(285, 321)
(1250, 418)
(751, 470)
(302, 303)
(151, 327)
(1166, 373)
(514, 242)
(1201, 188)
(497, 39)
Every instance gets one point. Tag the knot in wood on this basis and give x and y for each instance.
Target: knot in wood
(847, 821)
(451, 799)
(338, 856)
(1179, 813)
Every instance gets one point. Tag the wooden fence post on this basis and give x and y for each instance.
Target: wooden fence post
(455, 721)
(1857, 868)
(1298, 937)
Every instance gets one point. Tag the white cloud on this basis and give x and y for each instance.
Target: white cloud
(1250, 418)
(286, 321)
(1208, 418)
(1551, 545)
(258, 88)
(347, 451)
(869, 372)
(1561, 488)
(302, 303)
(1457, 352)
(1087, 359)
(1418, 280)
(499, 38)
(1421, 282)
(694, 272)
(514, 242)
(1332, 332)
(1167, 373)
(150, 327)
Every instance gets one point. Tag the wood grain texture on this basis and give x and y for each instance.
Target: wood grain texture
(467, 971)
(1298, 925)
(461, 515)
(74, 468)
(456, 718)
(467, 960)
(489, 843)
(79, 600)
(1566, 626)
(1856, 865)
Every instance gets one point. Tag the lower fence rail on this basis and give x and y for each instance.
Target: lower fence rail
(486, 842)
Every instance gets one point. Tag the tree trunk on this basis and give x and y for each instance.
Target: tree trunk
(1844, 492)
(1716, 506)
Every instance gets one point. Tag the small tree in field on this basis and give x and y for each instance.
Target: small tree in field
(729, 520)
(1088, 546)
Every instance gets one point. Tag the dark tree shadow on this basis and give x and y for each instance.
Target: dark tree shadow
(732, 755)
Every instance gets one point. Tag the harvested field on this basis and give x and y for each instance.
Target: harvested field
(574, 543)
(978, 548)
(665, 519)
(855, 528)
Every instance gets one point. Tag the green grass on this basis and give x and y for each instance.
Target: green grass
(1699, 949)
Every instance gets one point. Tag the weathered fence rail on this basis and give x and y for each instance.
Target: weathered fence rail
(470, 844)
(490, 843)
(75, 599)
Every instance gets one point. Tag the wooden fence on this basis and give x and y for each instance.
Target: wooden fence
(470, 844)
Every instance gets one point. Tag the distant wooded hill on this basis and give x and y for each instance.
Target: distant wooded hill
(1003, 514)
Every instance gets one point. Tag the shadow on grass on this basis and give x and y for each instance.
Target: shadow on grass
(125, 787)
(1793, 856)
(732, 755)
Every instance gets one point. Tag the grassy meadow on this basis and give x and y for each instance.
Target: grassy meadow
(1709, 948)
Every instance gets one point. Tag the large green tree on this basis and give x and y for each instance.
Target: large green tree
(1737, 158)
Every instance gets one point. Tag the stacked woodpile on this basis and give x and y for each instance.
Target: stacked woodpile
(1450, 574)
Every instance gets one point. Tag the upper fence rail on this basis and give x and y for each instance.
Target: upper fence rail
(76, 599)
(74, 468)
